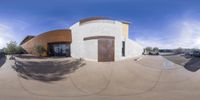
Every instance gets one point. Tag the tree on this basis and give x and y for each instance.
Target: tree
(179, 50)
(20, 50)
(11, 48)
(40, 50)
(148, 49)
(156, 49)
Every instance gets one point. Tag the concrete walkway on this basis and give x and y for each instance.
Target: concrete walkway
(151, 78)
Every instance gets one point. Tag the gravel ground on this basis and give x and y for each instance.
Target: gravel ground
(178, 59)
(190, 63)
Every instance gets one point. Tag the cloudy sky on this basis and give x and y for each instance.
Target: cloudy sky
(161, 23)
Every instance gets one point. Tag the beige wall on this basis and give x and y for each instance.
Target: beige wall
(45, 38)
(125, 27)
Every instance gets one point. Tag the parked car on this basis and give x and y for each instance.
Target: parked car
(151, 51)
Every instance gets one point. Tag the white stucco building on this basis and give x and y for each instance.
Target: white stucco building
(103, 39)
(97, 39)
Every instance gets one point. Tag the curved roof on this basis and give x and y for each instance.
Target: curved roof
(85, 20)
(93, 18)
(27, 38)
(54, 31)
(50, 36)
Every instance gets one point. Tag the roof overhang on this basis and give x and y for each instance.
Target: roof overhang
(27, 38)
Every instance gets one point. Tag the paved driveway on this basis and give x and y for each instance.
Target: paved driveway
(150, 78)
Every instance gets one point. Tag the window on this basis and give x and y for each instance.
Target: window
(59, 49)
(123, 48)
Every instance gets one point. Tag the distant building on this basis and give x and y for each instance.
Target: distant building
(98, 39)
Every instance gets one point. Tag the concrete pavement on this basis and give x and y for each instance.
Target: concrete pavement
(152, 77)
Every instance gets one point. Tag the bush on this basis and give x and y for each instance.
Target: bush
(20, 50)
(40, 50)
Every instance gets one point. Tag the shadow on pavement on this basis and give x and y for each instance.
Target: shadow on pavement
(2, 60)
(46, 71)
(29, 56)
(25, 56)
(193, 64)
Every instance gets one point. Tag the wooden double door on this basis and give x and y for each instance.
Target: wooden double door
(106, 50)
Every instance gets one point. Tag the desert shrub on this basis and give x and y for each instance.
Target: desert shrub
(39, 49)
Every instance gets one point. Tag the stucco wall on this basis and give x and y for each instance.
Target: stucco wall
(102, 28)
(88, 49)
(88, 53)
(133, 49)
(95, 28)
(47, 37)
(125, 30)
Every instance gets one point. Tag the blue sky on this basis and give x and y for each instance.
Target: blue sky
(161, 23)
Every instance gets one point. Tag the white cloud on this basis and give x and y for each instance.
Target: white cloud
(6, 35)
(186, 35)
(10, 30)
(190, 34)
